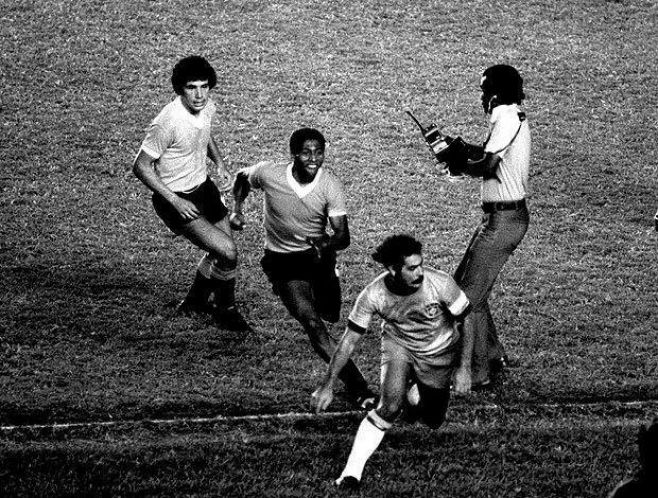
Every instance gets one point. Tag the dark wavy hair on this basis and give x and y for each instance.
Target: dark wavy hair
(192, 68)
(300, 136)
(395, 248)
(505, 82)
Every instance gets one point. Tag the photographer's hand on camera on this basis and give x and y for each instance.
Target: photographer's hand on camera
(463, 158)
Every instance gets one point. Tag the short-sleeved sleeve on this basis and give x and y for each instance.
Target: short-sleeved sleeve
(336, 203)
(158, 139)
(255, 174)
(454, 298)
(504, 125)
(364, 308)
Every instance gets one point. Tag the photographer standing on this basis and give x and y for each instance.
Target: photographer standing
(503, 164)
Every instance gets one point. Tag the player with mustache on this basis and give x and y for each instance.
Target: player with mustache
(423, 351)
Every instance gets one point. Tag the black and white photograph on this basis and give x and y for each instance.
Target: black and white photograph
(329, 248)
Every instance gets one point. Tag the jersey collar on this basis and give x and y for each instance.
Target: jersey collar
(299, 189)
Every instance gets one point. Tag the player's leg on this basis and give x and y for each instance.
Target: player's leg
(326, 290)
(218, 267)
(433, 404)
(395, 371)
(297, 297)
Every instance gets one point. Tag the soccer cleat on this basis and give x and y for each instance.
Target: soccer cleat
(348, 482)
(231, 319)
(188, 307)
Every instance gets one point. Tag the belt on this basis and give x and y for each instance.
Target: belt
(490, 207)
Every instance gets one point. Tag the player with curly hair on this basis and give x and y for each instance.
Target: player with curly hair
(302, 199)
(423, 350)
(172, 163)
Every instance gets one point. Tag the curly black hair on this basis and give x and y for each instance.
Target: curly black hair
(395, 248)
(192, 68)
(300, 136)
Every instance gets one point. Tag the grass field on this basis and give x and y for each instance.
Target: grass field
(87, 268)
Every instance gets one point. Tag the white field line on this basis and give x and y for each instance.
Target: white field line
(650, 405)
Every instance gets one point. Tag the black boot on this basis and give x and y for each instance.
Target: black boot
(226, 313)
(198, 297)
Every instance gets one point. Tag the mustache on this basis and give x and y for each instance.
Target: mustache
(418, 280)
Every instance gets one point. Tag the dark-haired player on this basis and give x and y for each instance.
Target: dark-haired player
(504, 168)
(301, 199)
(422, 347)
(172, 163)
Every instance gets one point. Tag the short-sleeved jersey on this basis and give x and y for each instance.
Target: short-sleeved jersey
(513, 169)
(293, 211)
(423, 321)
(178, 142)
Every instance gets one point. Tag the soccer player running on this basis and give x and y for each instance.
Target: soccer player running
(423, 352)
(172, 163)
(301, 198)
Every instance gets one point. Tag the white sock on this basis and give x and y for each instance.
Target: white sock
(366, 441)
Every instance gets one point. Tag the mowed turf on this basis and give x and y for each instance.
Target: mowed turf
(87, 268)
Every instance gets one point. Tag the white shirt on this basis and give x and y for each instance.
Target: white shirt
(421, 322)
(178, 141)
(514, 167)
(294, 211)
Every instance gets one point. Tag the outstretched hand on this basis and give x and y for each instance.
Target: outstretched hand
(462, 381)
(322, 398)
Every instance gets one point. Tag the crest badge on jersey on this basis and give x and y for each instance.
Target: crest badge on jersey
(432, 309)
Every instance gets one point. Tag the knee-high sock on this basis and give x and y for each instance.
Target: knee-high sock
(223, 280)
(367, 439)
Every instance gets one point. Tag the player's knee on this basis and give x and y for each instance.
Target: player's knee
(389, 409)
(227, 258)
(231, 254)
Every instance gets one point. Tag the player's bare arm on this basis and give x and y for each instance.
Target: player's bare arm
(144, 170)
(463, 378)
(323, 396)
(219, 168)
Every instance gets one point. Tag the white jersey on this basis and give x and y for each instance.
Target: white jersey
(513, 169)
(294, 211)
(421, 322)
(178, 142)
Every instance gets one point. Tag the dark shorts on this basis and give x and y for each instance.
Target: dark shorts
(306, 266)
(205, 197)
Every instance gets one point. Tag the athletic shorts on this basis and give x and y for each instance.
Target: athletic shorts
(283, 267)
(205, 197)
(435, 372)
